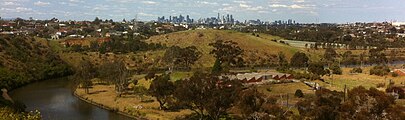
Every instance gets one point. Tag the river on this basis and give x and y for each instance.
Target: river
(54, 99)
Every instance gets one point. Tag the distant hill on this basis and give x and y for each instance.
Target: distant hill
(259, 50)
(26, 59)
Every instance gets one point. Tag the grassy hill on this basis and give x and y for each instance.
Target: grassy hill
(26, 59)
(259, 50)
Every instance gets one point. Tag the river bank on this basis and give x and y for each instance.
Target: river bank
(55, 100)
(105, 107)
(140, 107)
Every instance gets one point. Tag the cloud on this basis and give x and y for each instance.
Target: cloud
(294, 6)
(98, 8)
(207, 3)
(241, 2)
(76, 1)
(149, 2)
(299, 1)
(22, 9)
(244, 5)
(39, 3)
(146, 14)
(278, 6)
(10, 3)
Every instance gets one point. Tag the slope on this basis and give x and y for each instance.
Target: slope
(259, 50)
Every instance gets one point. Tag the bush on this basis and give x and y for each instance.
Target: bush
(398, 90)
(394, 74)
(336, 69)
(299, 94)
(380, 85)
(356, 70)
(379, 70)
(268, 90)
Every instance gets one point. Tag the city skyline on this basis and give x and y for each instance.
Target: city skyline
(305, 11)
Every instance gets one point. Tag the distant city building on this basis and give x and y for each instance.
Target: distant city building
(226, 19)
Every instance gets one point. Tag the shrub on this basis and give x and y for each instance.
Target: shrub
(398, 90)
(379, 70)
(394, 74)
(356, 70)
(335, 67)
(299, 94)
(380, 85)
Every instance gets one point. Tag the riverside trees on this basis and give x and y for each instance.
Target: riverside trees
(84, 73)
(115, 72)
(162, 88)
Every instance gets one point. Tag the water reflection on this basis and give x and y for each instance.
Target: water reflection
(55, 101)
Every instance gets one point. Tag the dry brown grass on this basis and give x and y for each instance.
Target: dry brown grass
(257, 46)
(363, 79)
(107, 96)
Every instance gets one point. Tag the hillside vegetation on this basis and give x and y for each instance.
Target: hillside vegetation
(259, 50)
(27, 59)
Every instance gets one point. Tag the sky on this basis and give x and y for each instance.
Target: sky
(303, 11)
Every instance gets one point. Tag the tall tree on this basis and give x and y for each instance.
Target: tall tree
(335, 68)
(115, 72)
(162, 88)
(208, 95)
(216, 69)
(330, 54)
(317, 68)
(299, 60)
(227, 52)
(182, 57)
(282, 62)
(250, 101)
(84, 73)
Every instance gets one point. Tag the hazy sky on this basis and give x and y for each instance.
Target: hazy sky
(340, 11)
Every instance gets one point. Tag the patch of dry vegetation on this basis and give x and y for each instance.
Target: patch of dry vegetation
(258, 49)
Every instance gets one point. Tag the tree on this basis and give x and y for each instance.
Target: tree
(250, 101)
(282, 60)
(208, 95)
(216, 69)
(347, 58)
(299, 60)
(379, 70)
(330, 54)
(360, 104)
(85, 73)
(227, 52)
(298, 93)
(115, 72)
(324, 106)
(377, 56)
(335, 67)
(366, 104)
(97, 21)
(162, 89)
(182, 57)
(317, 68)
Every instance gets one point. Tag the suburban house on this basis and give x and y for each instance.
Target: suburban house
(400, 72)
